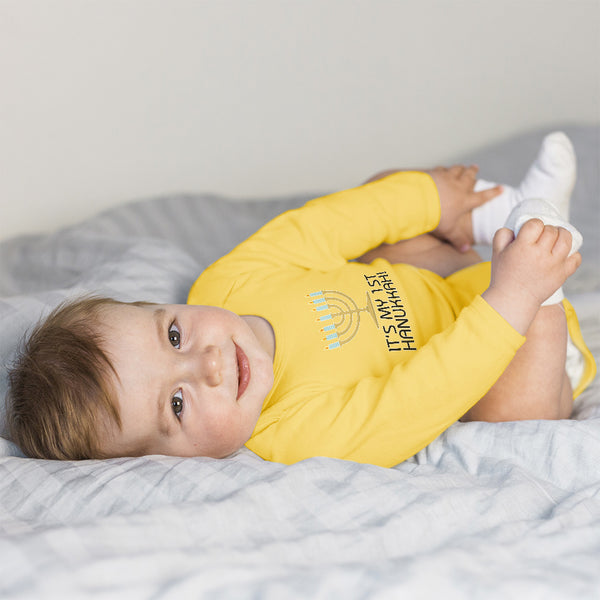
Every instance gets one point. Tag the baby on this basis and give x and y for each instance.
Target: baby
(359, 326)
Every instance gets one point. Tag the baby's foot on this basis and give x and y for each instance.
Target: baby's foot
(552, 174)
(551, 177)
(535, 208)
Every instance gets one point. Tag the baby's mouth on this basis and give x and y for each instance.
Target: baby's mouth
(243, 371)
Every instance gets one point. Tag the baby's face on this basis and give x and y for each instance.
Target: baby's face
(191, 379)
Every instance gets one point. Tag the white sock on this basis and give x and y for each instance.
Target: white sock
(551, 176)
(575, 363)
(534, 208)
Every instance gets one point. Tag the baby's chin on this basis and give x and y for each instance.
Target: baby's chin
(224, 453)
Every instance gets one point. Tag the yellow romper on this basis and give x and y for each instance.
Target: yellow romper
(374, 361)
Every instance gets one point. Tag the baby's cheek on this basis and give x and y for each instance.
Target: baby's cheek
(224, 432)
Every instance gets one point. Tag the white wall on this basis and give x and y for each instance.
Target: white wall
(103, 101)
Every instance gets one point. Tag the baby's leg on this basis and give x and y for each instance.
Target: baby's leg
(535, 384)
(551, 177)
(425, 252)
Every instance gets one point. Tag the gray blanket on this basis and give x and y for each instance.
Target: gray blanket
(486, 511)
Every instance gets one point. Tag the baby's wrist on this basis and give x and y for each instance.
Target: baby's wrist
(517, 307)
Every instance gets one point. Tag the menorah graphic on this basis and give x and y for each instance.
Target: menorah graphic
(340, 316)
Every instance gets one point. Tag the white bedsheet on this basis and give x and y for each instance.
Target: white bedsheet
(506, 510)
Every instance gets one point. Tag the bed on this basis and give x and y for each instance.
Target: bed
(485, 511)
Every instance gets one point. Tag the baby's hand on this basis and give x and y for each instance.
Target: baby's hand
(457, 199)
(528, 269)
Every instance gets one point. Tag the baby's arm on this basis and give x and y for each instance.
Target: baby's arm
(456, 189)
(328, 231)
(528, 269)
(383, 419)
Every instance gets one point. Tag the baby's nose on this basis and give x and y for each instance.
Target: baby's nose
(212, 366)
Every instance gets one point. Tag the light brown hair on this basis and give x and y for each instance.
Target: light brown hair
(60, 387)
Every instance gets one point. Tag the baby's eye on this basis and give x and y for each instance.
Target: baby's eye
(174, 335)
(177, 403)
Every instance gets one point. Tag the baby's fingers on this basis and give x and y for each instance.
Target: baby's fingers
(572, 263)
(479, 198)
(470, 173)
(502, 238)
(457, 171)
(531, 231)
(563, 243)
(549, 238)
